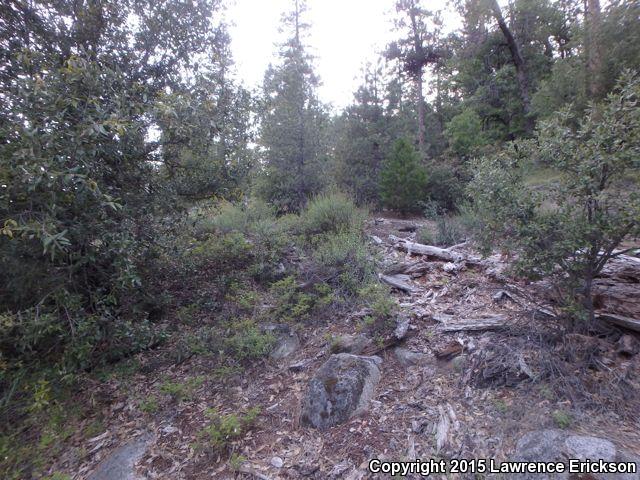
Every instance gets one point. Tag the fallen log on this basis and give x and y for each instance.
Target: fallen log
(617, 287)
(400, 267)
(450, 323)
(619, 320)
(397, 281)
(428, 250)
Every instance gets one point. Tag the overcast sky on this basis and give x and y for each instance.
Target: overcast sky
(344, 34)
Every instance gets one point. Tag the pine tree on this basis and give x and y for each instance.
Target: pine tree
(403, 180)
(362, 140)
(293, 122)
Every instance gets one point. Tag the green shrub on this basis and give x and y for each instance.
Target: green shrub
(346, 254)
(237, 218)
(149, 404)
(464, 133)
(228, 252)
(224, 429)
(293, 305)
(562, 418)
(181, 390)
(449, 229)
(383, 308)
(246, 341)
(444, 189)
(331, 213)
(572, 229)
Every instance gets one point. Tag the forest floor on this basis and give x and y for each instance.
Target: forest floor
(488, 389)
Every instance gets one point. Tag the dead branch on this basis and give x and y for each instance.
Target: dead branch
(397, 281)
(449, 323)
(428, 250)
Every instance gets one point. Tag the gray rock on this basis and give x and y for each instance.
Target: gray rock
(408, 358)
(287, 341)
(277, 462)
(340, 389)
(354, 344)
(459, 363)
(557, 445)
(120, 464)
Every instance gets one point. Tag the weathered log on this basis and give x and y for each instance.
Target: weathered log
(428, 250)
(398, 281)
(400, 267)
(617, 288)
(450, 323)
(419, 268)
(619, 320)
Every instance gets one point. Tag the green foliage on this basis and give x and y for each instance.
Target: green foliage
(294, 305)
(450, 230)
(331, 213)
(383, 308)
(225, 429)
(149, 405)
(403, 179)
(292, 125)
(362, 138)
(85, 174)
(346, 255)
(562, 418)
(243, 219)
(464, 133)
(224, 253)
(246, 341)
(573, 226)
(444, 189)
(179, 391)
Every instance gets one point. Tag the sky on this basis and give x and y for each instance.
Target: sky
(344, 35)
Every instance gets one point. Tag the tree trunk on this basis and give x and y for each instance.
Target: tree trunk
(421, 115)
(518, 62)
(594, 85)
(418, 78)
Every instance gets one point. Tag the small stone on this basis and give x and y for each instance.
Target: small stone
(407, 357)
(459, 363)
(628, 345)
(287, 341)
(277, 462)
(354, 344)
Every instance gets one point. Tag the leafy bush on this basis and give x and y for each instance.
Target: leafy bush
(403, 179)
(224, 429)
(444, 189)
(464, 133)
(246, 341)
(450, 230)
(294, 305)
(222, 254)
(331, 213)
(572, 228)
(346, 255)
(383, 308)
(238, 218)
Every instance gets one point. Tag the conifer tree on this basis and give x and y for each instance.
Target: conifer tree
(293, 121)
(403, 179)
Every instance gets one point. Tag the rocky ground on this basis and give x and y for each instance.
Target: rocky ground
(445, 389)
